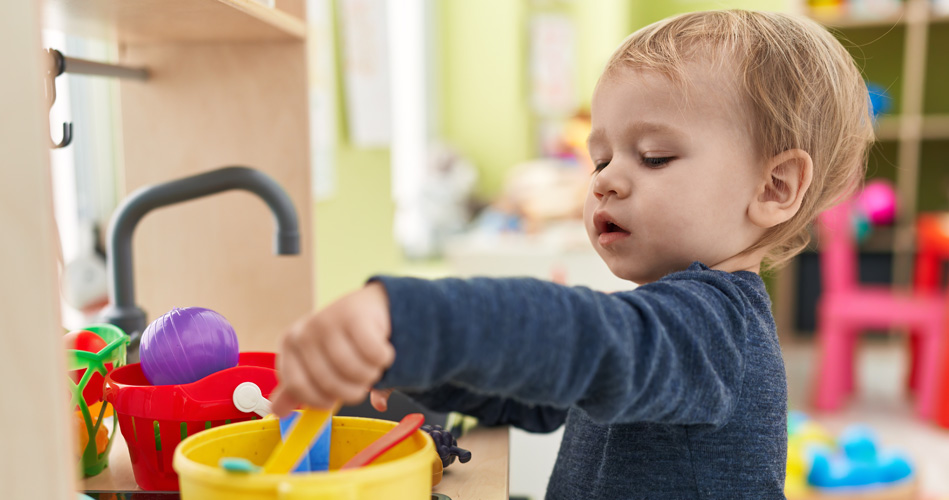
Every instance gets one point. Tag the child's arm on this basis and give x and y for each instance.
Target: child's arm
(339, 352)
(491, 410)
(670, 352)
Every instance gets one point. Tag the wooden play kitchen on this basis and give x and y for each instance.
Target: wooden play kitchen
(218, 83)
(225, 86)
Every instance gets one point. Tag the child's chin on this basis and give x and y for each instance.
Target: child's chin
(637, 276)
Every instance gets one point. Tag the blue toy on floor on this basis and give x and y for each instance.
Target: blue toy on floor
(857, 463)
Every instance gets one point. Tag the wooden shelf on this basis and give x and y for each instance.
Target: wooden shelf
(938, 18)
(935, 127)
(888, 128)
(931, 127)
(843, 20)
(140, 21)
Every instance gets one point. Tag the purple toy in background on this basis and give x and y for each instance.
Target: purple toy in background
(187, 344)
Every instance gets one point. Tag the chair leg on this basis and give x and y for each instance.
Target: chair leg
(848, 362)
(830, 383)
(941, 400)
(912, 374)
(931, 351)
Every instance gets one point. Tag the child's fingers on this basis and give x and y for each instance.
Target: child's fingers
(379, 398)
(298, 380)
(347, 361)
(282, 402)
(322, 377)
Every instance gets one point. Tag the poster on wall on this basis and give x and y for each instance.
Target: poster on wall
(366, 71)
(322, 93)
(553, 65)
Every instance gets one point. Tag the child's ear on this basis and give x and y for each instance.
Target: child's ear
(779, 196)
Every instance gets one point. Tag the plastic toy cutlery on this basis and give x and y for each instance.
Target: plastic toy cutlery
(289, 451)
(408, 425)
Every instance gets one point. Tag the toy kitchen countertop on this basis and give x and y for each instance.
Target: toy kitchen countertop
(485, 477)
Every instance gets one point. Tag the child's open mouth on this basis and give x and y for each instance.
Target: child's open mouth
(609, 232)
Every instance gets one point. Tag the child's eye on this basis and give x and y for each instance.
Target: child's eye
(654, 162)
(601, 166)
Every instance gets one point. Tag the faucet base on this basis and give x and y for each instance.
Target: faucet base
(131, 319)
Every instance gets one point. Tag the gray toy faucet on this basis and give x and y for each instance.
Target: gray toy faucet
(122, 310)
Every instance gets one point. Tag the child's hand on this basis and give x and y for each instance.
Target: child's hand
(335, 354)
(379, 398)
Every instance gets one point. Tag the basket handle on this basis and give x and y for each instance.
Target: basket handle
(288, 491)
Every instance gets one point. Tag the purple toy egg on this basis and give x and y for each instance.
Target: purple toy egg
(187, 344)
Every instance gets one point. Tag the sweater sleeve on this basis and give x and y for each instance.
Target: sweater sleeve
(669, 352)
(491, 410)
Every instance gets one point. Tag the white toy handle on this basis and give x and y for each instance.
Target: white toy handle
(248, 398)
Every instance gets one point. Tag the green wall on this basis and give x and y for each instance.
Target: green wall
(649, 12)
(353, 228)
(482, 110)
(601, 26)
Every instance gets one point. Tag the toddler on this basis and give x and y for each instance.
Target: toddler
(717, 137)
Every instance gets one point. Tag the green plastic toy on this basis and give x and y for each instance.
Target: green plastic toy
(92, 461)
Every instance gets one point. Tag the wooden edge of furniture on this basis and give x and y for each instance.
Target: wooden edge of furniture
(906, 490)
(36, 418)
(149, 21)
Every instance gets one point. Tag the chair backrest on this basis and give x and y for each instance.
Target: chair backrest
(837, 250)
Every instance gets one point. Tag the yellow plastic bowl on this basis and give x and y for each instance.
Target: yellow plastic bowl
(402, 473)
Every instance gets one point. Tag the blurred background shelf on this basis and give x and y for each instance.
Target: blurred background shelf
(844, 21)
(175, 20)
(933, 126)
(903, 52)
(939, 18)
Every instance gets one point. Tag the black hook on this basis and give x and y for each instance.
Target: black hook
(67, 137)
(56, 68)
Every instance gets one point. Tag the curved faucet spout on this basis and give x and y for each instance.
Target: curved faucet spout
(122, 310)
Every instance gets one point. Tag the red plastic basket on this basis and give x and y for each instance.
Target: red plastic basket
(155, 418)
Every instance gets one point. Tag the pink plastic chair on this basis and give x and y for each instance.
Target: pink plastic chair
(847, 307)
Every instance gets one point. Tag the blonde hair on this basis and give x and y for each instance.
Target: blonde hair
(800, 84)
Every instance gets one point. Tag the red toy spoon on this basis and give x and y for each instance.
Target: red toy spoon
(408, 425)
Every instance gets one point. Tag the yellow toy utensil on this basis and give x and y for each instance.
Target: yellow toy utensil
(289, 451)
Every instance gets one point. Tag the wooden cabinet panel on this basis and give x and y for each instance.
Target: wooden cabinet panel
(209, 106)
(176, 20)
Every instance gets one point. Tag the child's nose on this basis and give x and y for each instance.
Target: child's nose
(609, 182)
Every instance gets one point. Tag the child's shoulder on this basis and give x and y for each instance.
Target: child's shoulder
(699, 280)
(701, 272)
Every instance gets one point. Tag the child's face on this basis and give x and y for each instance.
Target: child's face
(677, 171)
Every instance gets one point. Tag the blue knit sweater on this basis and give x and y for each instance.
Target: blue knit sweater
(674, 390)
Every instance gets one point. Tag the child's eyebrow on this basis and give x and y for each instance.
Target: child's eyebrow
(639, 127)
(595, 135)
